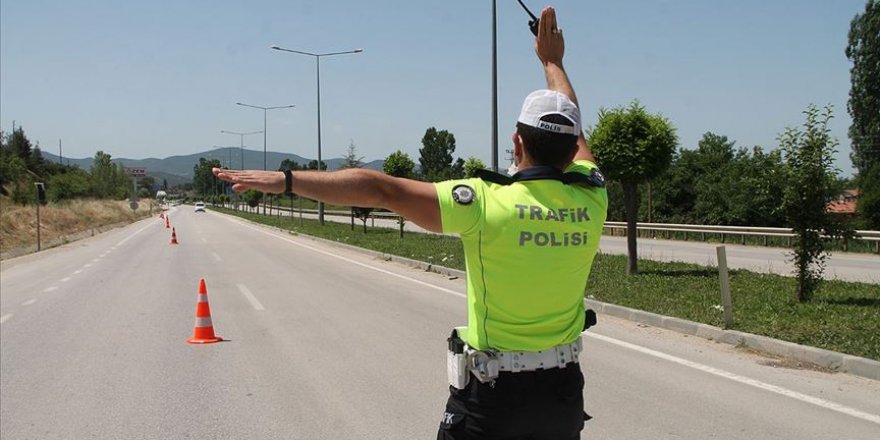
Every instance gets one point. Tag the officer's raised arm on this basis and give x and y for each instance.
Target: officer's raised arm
(550, 48)
(414, 200)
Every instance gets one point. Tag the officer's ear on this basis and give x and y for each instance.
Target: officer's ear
(517, 147)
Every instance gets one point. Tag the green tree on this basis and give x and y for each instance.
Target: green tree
(399, 164)
(351, 159)
(863, 49)
(435, 157)
(809, 185)
(472, 165)
(204, 181)
(12, 167)
(71, 185)
(108, 180)
(289, 164)
(313, 165)
(147, 183)
(632, 146)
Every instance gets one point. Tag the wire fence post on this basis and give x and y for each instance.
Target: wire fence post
(725, 286)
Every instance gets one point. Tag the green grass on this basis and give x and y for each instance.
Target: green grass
(842, 316)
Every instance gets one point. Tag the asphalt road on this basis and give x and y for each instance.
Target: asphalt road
(325, 343)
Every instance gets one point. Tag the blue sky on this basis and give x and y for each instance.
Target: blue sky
(161, 78)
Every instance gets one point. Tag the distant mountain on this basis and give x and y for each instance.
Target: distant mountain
(179, 169)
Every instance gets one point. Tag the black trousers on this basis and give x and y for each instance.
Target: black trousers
(537, 405)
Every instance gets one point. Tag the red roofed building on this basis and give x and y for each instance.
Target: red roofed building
(844, 203)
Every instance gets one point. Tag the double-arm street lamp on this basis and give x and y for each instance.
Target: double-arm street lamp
(241, 147)
(317, 57)
(265, 110)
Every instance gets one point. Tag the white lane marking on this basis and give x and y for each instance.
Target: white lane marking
(358, 263)
(204, 240)
(5, 318)
(726, 374)
(87, 265)
(95, 260)
(76, 272)
(29, 302)
(64, 280)
(132, 235)
(50, 288)
(216, 257)
(104, 254)
(742, 379)
(250, 297)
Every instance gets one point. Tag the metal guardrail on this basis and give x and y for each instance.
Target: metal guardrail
(741, 231)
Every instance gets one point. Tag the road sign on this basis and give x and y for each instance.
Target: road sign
(133, 205)
(136, 171)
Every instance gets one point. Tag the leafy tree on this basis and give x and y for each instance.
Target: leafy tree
(714, 159)
(869, 197)
(351, 159)
(164, 184)
(204, 181)
(288, 164)
(109, 180)
(67, 186)
(471, 165)
(863, 50)
(252, 197)
(436, 155)
(147, 183)
(399, 164)
(12, 167)
(457, 171)
(809, 185)
(632, 146)
(313, 165)
(20, 145)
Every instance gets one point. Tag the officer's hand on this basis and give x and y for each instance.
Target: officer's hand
(243, 180)
(549, 44)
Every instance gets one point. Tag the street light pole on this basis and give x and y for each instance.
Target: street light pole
(241, 147)
(494, 88)
(265, 110)
(317, 57)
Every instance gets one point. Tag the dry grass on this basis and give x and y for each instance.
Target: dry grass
(58, 221)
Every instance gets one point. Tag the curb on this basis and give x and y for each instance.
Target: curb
(832, 360)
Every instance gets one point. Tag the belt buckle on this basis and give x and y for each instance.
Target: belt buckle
(484, 365)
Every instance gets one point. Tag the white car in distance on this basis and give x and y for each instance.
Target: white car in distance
(200, 207)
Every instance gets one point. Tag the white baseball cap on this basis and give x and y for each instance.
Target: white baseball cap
(542, 103)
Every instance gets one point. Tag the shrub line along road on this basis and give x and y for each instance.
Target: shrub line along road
(328, 343)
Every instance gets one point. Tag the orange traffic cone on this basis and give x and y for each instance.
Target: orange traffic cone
(204, 329)
(174, 236)
(167, 224)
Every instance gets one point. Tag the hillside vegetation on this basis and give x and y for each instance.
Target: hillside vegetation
(59, 222)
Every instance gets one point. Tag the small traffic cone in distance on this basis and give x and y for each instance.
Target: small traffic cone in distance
(167, 223)
(174, 236)
(204, 328)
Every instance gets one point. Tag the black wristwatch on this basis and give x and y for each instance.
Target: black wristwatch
(288, 182)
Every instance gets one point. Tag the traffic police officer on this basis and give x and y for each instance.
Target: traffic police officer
(529, 241)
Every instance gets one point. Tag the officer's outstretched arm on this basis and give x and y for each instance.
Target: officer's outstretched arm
(550, 47)
(414, 200)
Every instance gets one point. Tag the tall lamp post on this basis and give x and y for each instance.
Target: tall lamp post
(241, 146)
(265, 110)
(317, 57)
